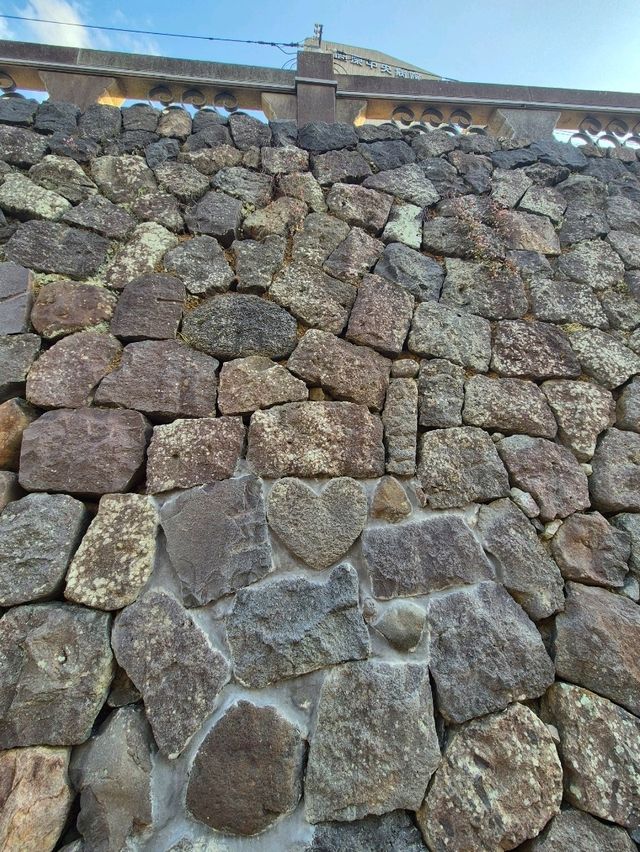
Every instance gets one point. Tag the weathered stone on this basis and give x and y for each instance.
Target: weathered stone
(257, 263)
(247, 384)
(545, 201)
(35, 798)
(67, 374)
(174, 122)
(507, 405)
(232, 512)
(56, 667)
(260, 756)
(319, 136)
(433, 144)
(15, 416)
(484, 652)
(52, 116)
(494, 293)
(216, 214)
(595, 641)
(440, 394)
(405, 368)
(407, 183)
(149, 307)
(390, 502)
(78, 148)
(186, 453)
(615, 481)
(423, 556)
(171, 662)
(304, 187)
(280, 217)
(387, 154)
(213, 136)
(112, 773)
(455, 236)
(17, 354)
(621, 309)
(627, 246)
(52, 247)
(100, 122)
(324, 626)
(318, 528)
(442, 332)
(475, 168)
(360, 207)
(547, 471)
(572, 829)
(604, 358)
(499, 783)
(159, 207)
(64, 177)
(63, 307)
(248, 132)
(9, 488)
(339, 167)
(592, 262)
(141, 255)
(163, 378)
(354, 256)
(381, 714)
(392, 832)
(381, 315)
(509, 186)
(404, 225)
(122, 178)
(279, 161)
(320, 236)
(182, 180)
(115, 557)
(582, 410)
(402, 625)
(102, 216)
(38, 535)
(20, 147)
(458, 466)
(311, 439)
(201, 264)
(590, 550)
(236, 325)
(161, 151)
(527, 232)
(400, 422)
(349, 372)
(630, 524)
(250, 187)
(533, 350)
(15, 298)
(24, 199)
(530, 264)
(600, 753)
(83, 451)
(566, 302)
(313, 296)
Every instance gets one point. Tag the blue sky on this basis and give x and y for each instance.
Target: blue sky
(583, 45)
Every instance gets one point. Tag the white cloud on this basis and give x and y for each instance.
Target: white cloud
(67, 13)
(5, 30)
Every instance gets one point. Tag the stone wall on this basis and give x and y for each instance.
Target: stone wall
(320, 487)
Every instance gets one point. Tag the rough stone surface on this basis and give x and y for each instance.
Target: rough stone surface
(63, 307)
(15, 416)
(604, 358)
(201, 265)
(280, 217)
(24, 199)
(399, 419)
(508, 405)
(460, 465)
(168, 658)
(381, 315)
(234, 553)
(261, 756)
(381, 714)
(115, 558)
(319, 136)
(628, 407)
(55, 670)
(390, 502)
(533, 350)
(15, 298)
(318, 528)
(572, 829)
(354, 256)
(9, 488)
(491, 292)
(339, 166)
(440, 394)
(64, 177)
(520, 791)
(316, 439)
(313, 296)
(111, 445)
(407, 182)
(391, 832)
(615, 481)
(588, 549)
(17, 354)
(439, 331)
(149, 307)
(566, 302)
(421, 276)
(582, 411)
(248, 384)
(402, 625)
(324, 626)
(485, 653)
(102, 216)
(217, 215)
(140, 256)
(122, 178)
(423, 556)
(359, 207)
(630, 523)
(52, 247)
(257, 263)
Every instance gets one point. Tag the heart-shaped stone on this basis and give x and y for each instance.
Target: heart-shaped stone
(319, 528)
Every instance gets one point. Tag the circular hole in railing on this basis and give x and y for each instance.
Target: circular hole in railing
(226, 100)
(403, 114)
(590, 125)
(163, 94)
(578, 139)
(432, 117)
(632, 141)
(194, 97)
(451, 129)
(607, 140)
(7, 83)
(460, 118)
(618, 127)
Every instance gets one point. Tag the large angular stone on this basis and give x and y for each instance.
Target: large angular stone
(313, 296)
(170, 660)
(102, 216)
(256, 758)
(236, 325)
(566, 302)
(604, 358)
(100, 122)
(321, 136)
(533, 350)
(547, 471)
(404, 225)
(15, 298)
(349, 372)
(443, 332)
(628, 407)
(360, 207)
(418, 274)
(423, 556)
(281, 217)
(407, 182)
(440, 394)
(24, 199)
(600, 753)
(115, 557)
(257, 263)
(354, 256)
(15, 416)
(182, 180)
(186, 453)
(35, 798)
(484, 652)
(582, 411)
(595, 640)
(17, 354)
(324, 626)
(248, 132)
(499, 783)
(285, 160)
(112, 773)
(38, 536)
(494, 293)
(52, 247)
(161, 208)
(455, 236)
(62, 307)
(375, 746)
(627, 246)
(55, 670)
(381, 315)
(524, 567)
(248, 384)
(63, 176)
(20, 147)
(235, 551)
(386, 154)
(318, 528)
(615, 481)
(392, 832)
(141, 255)
(592, 262)
(201, 264)
(588, 549)
(149, 307)
(162, 378)
(67, 374)
(339, 166)
(83, 451)
(527, 232)
(458, 466)
(572, 829)
(630, 523)
(304, 187)
(122, 178)
(508, 405)
(218, 215)
(319, 238)
(400, 421)
(312, 439)
(250, 187)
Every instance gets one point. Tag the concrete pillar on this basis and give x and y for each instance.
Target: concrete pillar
(315, 87)
(79, 89)
(525, 125)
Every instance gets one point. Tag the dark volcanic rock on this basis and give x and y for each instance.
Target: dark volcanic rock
(201, 265)
(16, 295)
(218, 215)
(102, 216)
(51, 247)
(381, 315)
(615, 481)
(508, 405)
(17, 354)
(149, 307)
(318, 137)
(572, 829)
(418, 274)
(63, 307)
(392, 832)
(533, 350)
